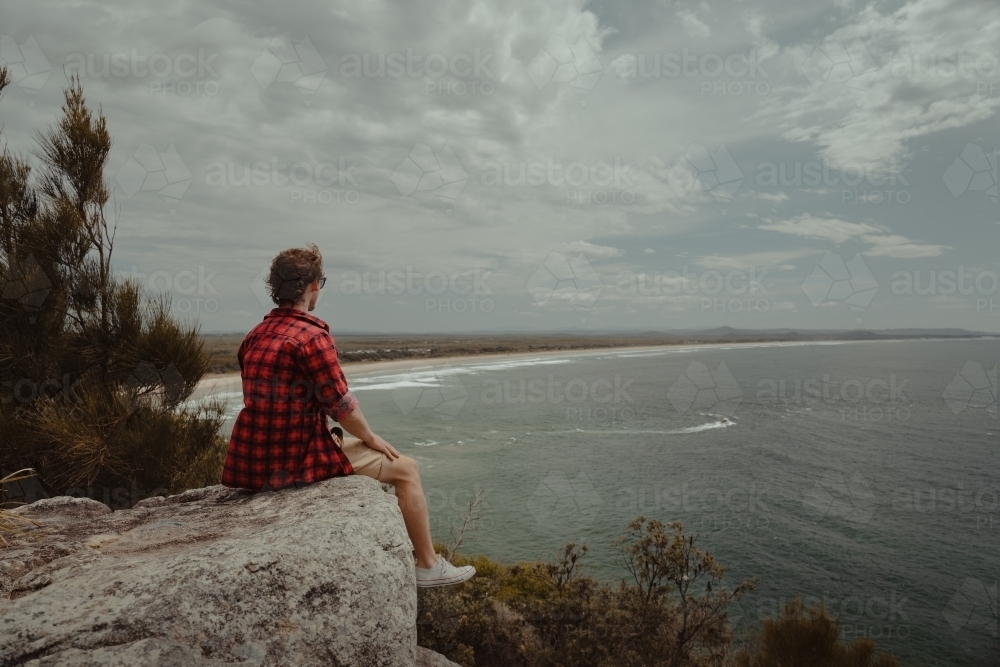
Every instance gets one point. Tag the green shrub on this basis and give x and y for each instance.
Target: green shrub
(94, 371)
(672, 612)
(800, 637)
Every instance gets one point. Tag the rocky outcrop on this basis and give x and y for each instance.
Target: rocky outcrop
(428, 658)
(319, 575)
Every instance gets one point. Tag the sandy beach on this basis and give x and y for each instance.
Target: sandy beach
(230, 382)
(218, 383)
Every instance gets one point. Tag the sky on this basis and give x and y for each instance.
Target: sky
(535, 166)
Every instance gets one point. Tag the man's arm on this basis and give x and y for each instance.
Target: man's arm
(355, 424)
(319, 357)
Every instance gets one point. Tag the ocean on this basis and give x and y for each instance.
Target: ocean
(863, 475)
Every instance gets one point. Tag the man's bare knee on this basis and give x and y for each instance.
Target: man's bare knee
(404, 469)
(411, 469)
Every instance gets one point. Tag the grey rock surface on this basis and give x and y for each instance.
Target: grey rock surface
(319, 575)
(153, 651)
(428, 658)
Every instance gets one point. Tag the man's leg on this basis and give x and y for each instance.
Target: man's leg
(404, 475)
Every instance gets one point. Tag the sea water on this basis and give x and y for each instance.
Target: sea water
(862, 475)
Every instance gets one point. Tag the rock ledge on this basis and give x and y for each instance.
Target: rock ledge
(319, 575)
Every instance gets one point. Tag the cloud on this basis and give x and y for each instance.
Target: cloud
(591, 250)
(325, 101)
(773, 260)
(832, 230)
(900, 247)
(693, 26)
(824, 229)
(872, 86)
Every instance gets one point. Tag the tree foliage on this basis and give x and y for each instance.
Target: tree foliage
(670, 612)
(808, 636)
(95, 373)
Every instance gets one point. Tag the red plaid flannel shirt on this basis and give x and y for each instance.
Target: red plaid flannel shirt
(292, 382)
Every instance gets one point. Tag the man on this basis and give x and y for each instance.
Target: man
(292, 385)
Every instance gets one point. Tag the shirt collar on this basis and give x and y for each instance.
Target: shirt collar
(287, 311)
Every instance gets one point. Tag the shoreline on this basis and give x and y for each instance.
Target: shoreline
(356, 368)
(216, 382)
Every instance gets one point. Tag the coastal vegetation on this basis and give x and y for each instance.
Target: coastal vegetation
(94, 370)
(670, 610)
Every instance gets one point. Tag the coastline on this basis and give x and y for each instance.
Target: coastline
(216, 382)
(229, 382)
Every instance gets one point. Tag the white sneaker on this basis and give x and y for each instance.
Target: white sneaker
(443, 573)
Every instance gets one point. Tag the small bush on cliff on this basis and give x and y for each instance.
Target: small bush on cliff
(94, 371)
(801, 636)
(671, 611)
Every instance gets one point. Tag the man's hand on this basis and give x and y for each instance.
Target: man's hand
(379, 444)
(357, 426)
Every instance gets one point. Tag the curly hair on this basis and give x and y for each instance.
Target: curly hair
(292, 271)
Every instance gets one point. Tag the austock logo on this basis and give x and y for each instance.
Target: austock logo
(973, 606)
(25, 281)
(565, 503)
(974, 170)
(146, 382)
(27, 390)
(146, 377)
(149, 170)
(180, 74)
(861, 612)
(429, 389)
(191, 290)
(258, 286)
(834, 280)
(306, 181)
(445, 74)
(713, 173)
(566, 280)
(558, 62)
(709, 67)
(283, 61)
(699, 388)
(838, 63)
(881, 181)
(842, 496)
(973, 387)
(424, 171)
(28, 66)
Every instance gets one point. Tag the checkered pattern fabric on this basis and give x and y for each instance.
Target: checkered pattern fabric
(292, 382)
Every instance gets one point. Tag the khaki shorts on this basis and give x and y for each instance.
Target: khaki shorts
(365, 460)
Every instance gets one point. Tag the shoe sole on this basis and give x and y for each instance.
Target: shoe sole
(433, 583)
